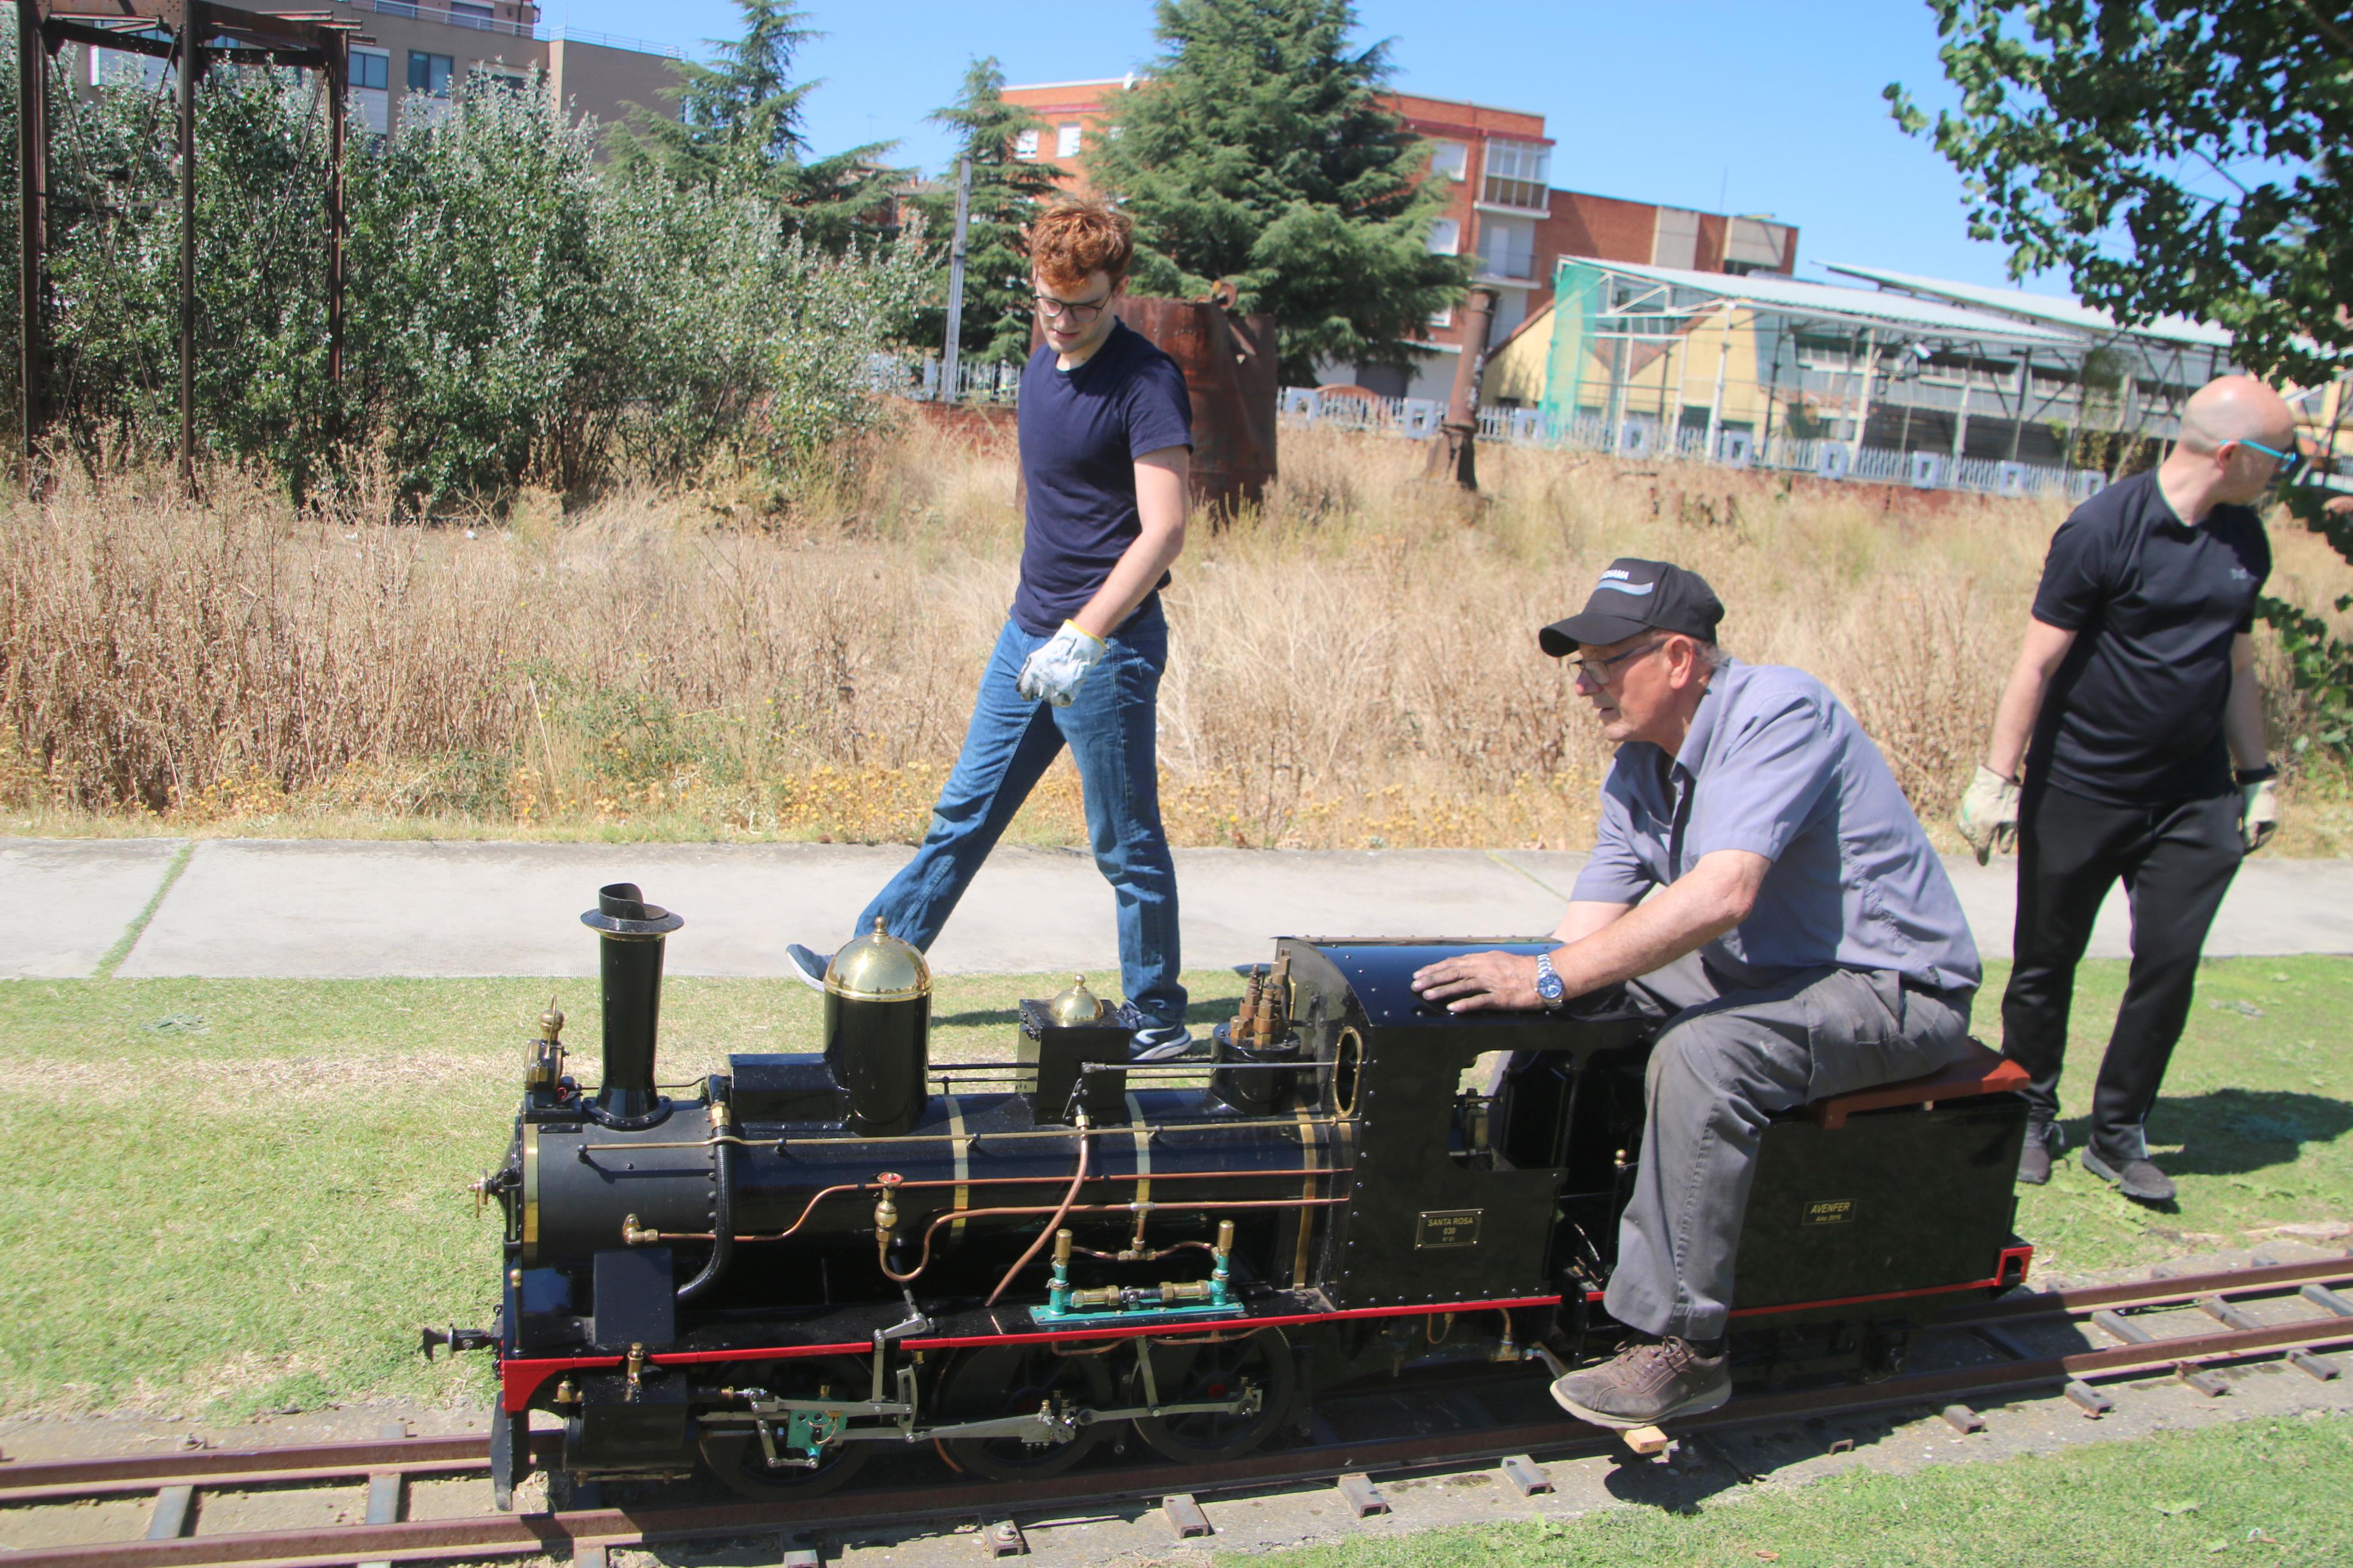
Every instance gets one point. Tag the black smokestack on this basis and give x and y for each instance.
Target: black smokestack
(631, 968)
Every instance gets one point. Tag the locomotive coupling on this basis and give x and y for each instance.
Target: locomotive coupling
(456, 1339)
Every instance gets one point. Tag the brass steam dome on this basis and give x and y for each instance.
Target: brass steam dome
(878, 967)
(1076, 1007)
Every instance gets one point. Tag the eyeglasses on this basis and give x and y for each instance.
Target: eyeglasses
(1051, 308)
(1600, 671)
(2289, 463)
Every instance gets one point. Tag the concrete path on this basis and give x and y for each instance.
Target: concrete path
(321, 910)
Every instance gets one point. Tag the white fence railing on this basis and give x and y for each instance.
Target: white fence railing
(1639, 438)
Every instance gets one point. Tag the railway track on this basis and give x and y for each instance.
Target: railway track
(2184, 1326)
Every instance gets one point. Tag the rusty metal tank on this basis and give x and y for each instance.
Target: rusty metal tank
(1228, 360)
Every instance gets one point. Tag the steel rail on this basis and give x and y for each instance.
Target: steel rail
(523, 1534)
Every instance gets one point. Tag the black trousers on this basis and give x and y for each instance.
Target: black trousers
(2176, 861)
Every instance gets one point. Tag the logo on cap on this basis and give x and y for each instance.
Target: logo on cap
(1618, 580)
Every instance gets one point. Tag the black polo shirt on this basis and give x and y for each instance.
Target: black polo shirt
(2133, 716)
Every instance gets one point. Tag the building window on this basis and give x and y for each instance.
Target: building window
(1445, 238)
(471, 14)
(1519, 174)
(1452, 159)
(1444, 318)
(1025, 146)
(1066, 141)
(430, 73)
(513, 82)
(1508, 248)
(371, 70)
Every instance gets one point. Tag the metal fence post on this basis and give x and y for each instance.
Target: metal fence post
(949, 351)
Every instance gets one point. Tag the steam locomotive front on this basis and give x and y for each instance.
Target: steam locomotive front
(717, 1274)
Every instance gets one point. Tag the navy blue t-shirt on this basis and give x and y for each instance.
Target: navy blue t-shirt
(2133, 716)
(1081, 431)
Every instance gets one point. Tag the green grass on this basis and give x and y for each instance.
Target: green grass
(2271, 1492)
(231, 1196)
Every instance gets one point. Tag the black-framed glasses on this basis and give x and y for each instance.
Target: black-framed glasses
(2290, 463)
(1602, 671)
(1051, 308)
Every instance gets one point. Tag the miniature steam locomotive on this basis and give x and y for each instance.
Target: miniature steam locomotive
(810, 1257)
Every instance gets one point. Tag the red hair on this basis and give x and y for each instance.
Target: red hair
(1079, 237)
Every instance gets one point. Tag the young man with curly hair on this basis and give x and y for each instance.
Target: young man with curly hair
(1106, 436)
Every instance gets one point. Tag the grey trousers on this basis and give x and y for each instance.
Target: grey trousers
(1725, 1063)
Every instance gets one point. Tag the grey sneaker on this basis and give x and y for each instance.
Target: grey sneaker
(1646, 1384)
(2043, 1143)
(1160, 1043)
(809, 968)
(2140, 1180)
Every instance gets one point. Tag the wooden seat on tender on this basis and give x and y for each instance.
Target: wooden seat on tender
(1979, 1069)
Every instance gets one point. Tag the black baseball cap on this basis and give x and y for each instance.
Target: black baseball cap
(1636, 597)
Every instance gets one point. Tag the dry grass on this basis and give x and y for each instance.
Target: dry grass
(1353, 668)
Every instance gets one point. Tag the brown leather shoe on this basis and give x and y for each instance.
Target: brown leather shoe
(1645, 1385)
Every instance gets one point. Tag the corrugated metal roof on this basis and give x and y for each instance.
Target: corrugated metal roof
(1830, 301)
(2044, 308)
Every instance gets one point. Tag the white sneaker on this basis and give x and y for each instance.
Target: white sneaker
(809, 968)
(1163, 1043)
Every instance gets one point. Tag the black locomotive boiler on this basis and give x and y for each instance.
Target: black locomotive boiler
(812, 1258)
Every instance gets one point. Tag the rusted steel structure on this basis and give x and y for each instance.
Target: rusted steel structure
(1456, 453)
(195, 33)
(1228, 360)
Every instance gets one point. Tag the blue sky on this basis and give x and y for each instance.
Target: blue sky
(1769, 106)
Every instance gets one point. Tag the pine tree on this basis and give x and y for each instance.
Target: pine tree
(1007, 192)
(739, 130)
(1258, 150)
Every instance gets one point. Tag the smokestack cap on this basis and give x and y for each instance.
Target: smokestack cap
(622, 910)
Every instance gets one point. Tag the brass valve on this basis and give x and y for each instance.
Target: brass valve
(481, 1190)
(886, 1213)
(635, 1234)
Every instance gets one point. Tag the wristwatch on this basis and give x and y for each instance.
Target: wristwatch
(1549, 983)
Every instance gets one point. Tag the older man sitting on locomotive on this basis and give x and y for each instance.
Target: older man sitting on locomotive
(1802, 941)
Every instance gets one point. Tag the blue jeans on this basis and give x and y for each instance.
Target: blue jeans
(1110, 728)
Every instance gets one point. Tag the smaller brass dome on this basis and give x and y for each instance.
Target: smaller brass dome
(878, 967)
(1076, 1007)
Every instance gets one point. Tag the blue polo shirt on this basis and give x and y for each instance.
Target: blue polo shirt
(1776, 765)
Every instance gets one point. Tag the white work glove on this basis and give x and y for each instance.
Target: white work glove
(2258, 811)
(1988, 814)
(1052, 674)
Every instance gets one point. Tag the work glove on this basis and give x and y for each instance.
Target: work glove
(2258, 810)
(1988, 814)
(1052, 674)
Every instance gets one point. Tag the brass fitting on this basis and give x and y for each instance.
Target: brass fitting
(1063, 1240)
(886, 1213)
(1225, 1235)
(635, 1367)
(1184, 1290)
(635, 1234)
(567, 1393)
(718, 1118)
(1106, 1297)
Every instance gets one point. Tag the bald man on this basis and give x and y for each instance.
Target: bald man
(2134, 712)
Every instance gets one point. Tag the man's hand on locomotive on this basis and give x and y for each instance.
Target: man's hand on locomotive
(1475, 980)
(1052, 673)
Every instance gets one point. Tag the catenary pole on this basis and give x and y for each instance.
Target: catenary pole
(948, 351)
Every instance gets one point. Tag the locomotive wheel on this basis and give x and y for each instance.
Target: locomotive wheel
(1014, 1380)
(1188, 1373)
(741, 1465)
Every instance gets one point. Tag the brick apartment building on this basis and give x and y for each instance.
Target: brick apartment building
(429, 46)
(1503, 208)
